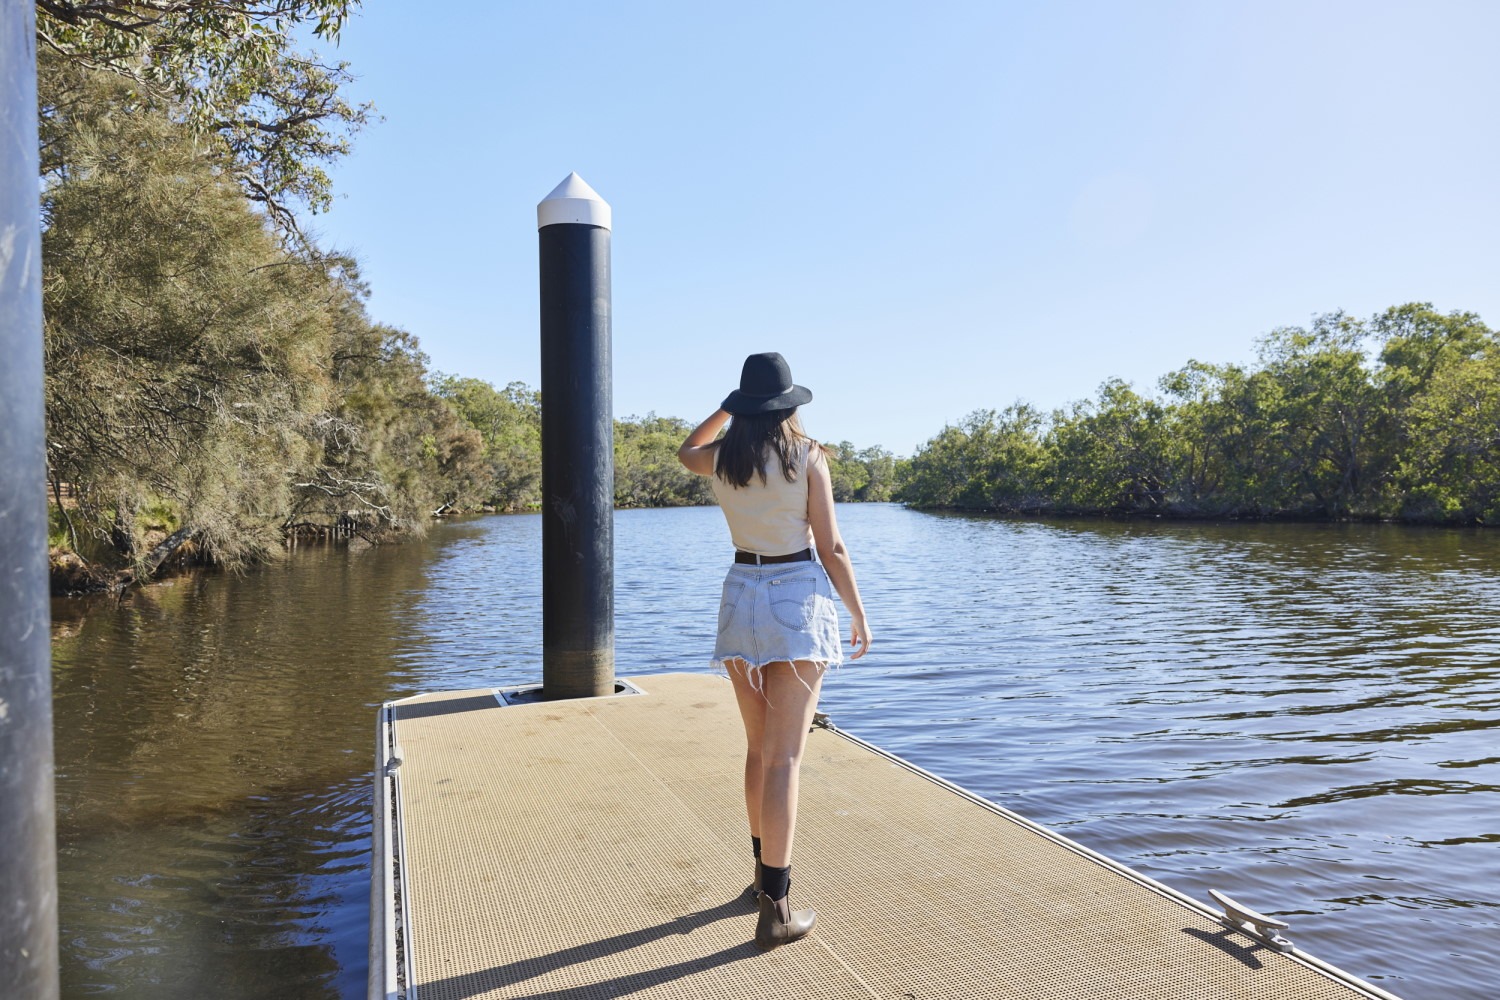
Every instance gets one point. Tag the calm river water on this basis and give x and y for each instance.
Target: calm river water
(1305, 717)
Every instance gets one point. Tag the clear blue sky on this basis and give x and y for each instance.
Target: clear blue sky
(928, 208)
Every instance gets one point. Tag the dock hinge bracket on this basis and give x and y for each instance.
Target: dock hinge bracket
(1257, 925)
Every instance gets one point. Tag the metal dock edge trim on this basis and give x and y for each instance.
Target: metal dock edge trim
(1296, 954)
(390, 935)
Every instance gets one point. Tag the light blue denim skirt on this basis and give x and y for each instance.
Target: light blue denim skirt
(780, 611)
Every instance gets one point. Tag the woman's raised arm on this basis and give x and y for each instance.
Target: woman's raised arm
(697, 452)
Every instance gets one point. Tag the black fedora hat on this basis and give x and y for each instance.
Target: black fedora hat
(765, 386)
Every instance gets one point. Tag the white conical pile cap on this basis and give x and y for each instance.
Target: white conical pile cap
(573, 201)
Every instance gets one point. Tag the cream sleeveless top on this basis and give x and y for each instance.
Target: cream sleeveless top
(768, 519)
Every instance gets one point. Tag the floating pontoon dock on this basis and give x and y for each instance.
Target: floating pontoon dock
(597, 848)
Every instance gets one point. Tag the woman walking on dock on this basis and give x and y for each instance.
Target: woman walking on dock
(778, 627)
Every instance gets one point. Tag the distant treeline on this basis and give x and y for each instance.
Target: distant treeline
(1397, 416)
(647, 472)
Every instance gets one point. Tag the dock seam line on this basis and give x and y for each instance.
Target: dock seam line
(845, 966)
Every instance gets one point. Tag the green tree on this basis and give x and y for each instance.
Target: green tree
(859, 475)
(846, 473)
(1421, 352)
(1321, 418)
(183, 344)
(1111, 453)
(1450, 469)
(1416, 341)
(210, 388)
(647, 472)
(390, 453)
(1219, 450)
(226, 69)
(880, 474)
(990, 461)
(509, 421)
(1440, 379)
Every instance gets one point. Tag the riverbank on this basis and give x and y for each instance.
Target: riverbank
(170, 555)
(156, 546)
(1188, 512)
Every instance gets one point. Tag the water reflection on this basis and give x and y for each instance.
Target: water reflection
(1302, 716)
(214, 741)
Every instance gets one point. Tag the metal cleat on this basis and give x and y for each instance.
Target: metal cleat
(1257, 925)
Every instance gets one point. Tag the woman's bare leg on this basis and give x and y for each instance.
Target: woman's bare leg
(790, 697)
(753, 712)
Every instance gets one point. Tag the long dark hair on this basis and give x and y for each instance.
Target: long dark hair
(743, 451)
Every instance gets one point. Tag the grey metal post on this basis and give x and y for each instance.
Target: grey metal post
(28, 851)
(578, 458)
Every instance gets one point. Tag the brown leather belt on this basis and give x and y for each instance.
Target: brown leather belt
(750, 557)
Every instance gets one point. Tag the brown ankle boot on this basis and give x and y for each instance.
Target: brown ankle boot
(752, 891)
(780, 924)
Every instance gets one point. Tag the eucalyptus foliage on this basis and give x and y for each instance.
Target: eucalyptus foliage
(647, 471)
(860, 474)
(212, 389)
(508, 423)
(179, 334)
(229, 70)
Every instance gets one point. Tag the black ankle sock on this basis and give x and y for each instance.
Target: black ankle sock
(755, 846)
(774, 882)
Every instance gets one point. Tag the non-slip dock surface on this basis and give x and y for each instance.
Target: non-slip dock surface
(598, 848)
